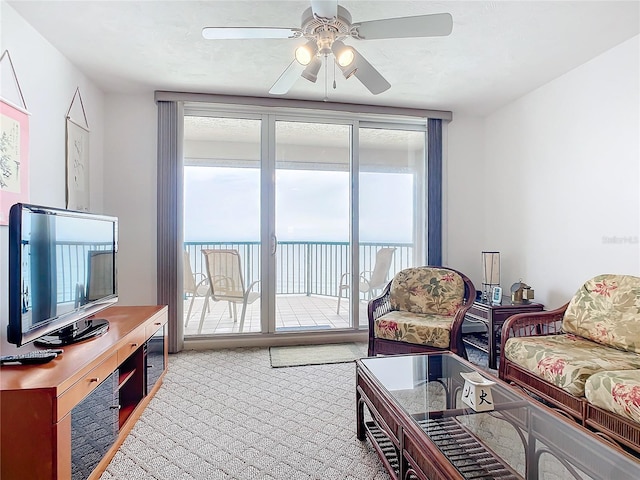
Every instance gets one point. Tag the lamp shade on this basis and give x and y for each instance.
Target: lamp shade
(345, 57)
(305, 53)
(491, 268)
(311, 71)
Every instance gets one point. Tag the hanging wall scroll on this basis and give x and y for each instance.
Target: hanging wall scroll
(77, 152)
(14, 141)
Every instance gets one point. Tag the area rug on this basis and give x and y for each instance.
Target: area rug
(300, 355)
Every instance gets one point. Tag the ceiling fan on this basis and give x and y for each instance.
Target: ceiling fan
(325, 25)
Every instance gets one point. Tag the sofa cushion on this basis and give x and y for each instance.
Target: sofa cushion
(567, 360)
(427, 290)
(421, 329)
(617, 391)
(606, 309)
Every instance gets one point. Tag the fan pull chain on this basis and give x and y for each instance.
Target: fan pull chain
(334, 75)
(326, 80)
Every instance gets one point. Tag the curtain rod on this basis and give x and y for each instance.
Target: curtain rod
(306, 104)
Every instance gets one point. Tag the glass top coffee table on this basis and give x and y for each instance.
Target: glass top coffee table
(417, 421)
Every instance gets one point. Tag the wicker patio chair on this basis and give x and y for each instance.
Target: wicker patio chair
(421, 310)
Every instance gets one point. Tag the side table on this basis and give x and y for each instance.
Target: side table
(493, 317)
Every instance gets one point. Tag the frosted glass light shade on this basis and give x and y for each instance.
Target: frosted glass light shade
(303, 55)
(491, 268)
(311, 72)
(346, 57)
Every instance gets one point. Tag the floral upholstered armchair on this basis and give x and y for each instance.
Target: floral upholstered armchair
(584, 357)
(422, 309)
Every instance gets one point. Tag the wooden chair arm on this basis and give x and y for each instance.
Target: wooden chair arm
(379, 305)
(530, 325)
(455, 344)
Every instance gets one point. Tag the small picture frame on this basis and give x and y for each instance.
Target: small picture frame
(496, 295)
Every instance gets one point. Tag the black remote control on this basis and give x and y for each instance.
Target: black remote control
(40, 356)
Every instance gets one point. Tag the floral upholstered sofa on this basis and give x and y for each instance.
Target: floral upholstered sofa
(421, 309)
(584, 357)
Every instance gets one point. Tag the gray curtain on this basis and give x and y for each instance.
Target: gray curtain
(434, 191)
(170, 185)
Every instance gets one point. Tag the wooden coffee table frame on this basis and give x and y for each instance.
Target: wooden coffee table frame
(408, 452)
(403, 447)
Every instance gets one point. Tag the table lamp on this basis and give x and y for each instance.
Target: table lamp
(490, 273)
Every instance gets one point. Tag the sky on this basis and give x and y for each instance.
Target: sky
(223, 204)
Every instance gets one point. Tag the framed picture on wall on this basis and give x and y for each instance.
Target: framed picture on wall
(14, 157)
(77, 167)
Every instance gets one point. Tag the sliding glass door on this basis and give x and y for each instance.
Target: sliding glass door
(293, 224)
(391, 213)
(222, 173)
(312, 222)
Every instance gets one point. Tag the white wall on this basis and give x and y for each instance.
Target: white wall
(463, 196)
(562, 177)
(130, 192)
(48, 82)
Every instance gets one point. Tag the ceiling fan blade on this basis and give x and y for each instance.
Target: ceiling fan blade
(236, 33)
(287, 79)
(325, 8)
(435, 25)
(369, 76)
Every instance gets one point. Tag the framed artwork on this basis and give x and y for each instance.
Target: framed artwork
(14, 158)
(77, 167)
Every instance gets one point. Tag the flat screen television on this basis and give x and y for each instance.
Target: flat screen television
(62, 271)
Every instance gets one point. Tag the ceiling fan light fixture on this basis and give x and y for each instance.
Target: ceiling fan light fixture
(311, 72)
(346, 57)
(306, 52)
(349, 73)
(323, 26)
(344, 54)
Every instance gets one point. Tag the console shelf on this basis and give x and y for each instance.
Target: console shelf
(124, 377)
(50, 413)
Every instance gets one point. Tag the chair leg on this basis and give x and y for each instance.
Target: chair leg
(233, 312)
(186, 323)
(244, 311)
(340, 289)
(206, 302)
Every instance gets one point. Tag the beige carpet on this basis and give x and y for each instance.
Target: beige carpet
(300, 355)
(227, 415)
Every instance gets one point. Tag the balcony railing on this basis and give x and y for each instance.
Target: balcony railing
(311, 268)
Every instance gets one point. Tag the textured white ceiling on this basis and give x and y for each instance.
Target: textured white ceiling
(218, 129)
(497, 52)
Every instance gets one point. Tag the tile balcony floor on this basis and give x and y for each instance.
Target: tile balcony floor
(293, 312)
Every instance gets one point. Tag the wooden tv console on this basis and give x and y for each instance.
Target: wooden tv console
(66, 418)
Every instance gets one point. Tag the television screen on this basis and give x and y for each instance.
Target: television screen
(62, 270)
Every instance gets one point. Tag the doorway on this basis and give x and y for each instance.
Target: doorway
(310, 207)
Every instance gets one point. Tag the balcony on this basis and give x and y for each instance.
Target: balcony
(307, 285)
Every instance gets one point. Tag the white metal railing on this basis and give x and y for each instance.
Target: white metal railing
(311, 268)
